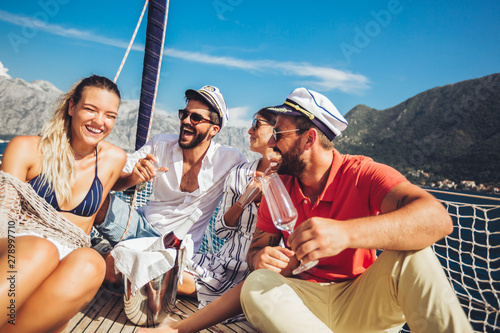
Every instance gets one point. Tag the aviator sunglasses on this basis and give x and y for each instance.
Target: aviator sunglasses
(194, 117)
(277, 135)
(256, 123)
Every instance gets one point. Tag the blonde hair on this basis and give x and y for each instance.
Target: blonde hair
(58, 157)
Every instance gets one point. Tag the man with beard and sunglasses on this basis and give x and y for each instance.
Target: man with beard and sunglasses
(348, 206)
(188, 172)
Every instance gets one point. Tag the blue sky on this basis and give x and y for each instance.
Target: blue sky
(377, 53)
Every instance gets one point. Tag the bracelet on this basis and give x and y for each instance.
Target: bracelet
(248, 197)
(242, 206)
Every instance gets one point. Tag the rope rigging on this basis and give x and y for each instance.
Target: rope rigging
(153, 55)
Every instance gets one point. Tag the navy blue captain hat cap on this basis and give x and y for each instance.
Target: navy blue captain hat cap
(214, 98)
(319, 109)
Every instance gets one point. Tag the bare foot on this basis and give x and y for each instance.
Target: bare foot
(164, 329)
(166, 326)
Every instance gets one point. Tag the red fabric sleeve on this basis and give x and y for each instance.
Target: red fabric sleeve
(377, 179)
(264, 220)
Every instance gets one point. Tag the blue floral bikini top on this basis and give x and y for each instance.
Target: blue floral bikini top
(87, 207)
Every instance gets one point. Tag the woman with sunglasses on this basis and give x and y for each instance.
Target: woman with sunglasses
(212, 275)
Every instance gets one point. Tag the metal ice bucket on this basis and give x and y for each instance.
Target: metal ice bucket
(153, 302)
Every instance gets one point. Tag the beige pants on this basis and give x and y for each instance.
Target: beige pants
(399, 287)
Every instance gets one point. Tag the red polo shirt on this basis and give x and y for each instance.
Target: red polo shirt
(355, 188)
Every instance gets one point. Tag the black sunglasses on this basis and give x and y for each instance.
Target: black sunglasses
(194, 117)
(256, 123)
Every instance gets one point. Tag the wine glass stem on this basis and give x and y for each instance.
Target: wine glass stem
(303, 267)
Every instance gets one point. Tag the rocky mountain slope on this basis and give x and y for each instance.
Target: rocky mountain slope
(25, 107)
(445, 132)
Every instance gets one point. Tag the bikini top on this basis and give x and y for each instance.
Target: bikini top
(87, 207)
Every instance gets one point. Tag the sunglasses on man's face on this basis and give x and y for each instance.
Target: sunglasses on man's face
(194, 117)
(256, 123)
(277, 135)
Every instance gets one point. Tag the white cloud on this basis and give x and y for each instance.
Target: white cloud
(316, 77)
(321, 78)
(238, 117)
(33, 25)
(325, 78)
(4, 70)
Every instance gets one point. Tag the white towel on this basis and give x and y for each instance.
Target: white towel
(141, 260)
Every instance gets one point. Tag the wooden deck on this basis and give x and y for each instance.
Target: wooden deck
(105, 314)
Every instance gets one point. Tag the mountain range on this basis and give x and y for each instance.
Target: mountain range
(449, 132)
(445, 132)
(26, 106)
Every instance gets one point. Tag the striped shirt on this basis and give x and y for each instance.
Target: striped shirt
(218, 272)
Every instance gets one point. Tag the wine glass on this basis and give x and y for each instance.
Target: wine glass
(282, 211)
(160, 152)
(275, 159)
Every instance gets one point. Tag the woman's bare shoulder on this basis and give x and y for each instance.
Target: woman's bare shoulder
(20, 155)
(112, 152)
(112, 159)
(25, 141)
(23, 146)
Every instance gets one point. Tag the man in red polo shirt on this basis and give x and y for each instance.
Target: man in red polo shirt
(347, 206)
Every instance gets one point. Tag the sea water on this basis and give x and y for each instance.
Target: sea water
(2, 146)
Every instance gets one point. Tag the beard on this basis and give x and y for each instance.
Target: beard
(195, 141)
(292, 163)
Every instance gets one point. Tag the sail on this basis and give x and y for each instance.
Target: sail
(157, 12)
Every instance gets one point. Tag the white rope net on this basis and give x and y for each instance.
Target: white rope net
(20, 204)
(471, 259)
(143, 193)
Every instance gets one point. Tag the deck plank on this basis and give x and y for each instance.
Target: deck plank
(105, 314)
(87, 315)
(106, 317)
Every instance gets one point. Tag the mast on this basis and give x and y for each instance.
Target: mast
(155, 36)
(153, 53)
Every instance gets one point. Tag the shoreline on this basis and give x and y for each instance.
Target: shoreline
(465, 188)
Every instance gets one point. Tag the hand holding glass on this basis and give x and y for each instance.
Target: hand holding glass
(282, 211)
(159, 169)
(160, 157)
(252, 192)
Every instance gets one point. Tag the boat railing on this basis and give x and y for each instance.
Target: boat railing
(470, 256)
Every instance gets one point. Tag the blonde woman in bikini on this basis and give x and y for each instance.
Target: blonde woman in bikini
(71, 168)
